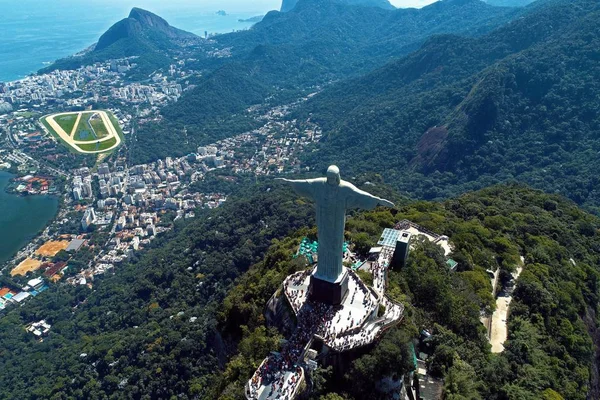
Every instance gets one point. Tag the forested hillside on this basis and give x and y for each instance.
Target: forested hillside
(148, 331)
(550, 351)
(172, 323)
(287, 54)
(461, 113)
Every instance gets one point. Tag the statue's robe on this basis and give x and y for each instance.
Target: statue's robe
(331, 203)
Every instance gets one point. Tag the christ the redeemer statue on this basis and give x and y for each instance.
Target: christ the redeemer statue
(333, 197)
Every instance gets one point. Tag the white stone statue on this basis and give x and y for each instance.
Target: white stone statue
(333, 197)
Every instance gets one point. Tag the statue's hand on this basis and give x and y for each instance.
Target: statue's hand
(385, 203)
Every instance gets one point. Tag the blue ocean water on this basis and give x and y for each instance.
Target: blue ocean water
(34, 33)
(21, 218)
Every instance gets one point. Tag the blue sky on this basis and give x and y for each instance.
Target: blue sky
(260, 6)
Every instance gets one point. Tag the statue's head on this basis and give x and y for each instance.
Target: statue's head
(333, 175)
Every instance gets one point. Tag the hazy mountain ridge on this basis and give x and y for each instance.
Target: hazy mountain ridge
(496, 98)
(316, 20)
(288, 5)
(509, 3)
(313, 44)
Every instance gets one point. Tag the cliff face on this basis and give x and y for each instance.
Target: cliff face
(150, 20)
(125, 28)
(278, 313)
(288, 5)
(139, 23)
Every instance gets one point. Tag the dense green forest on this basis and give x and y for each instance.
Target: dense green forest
(185, 319)
(149, 330)
(550, 349)
(519, 103)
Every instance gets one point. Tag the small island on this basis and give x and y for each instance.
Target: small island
(222, 13)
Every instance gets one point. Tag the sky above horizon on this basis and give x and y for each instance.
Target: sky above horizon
(254, 6)
(235, 5)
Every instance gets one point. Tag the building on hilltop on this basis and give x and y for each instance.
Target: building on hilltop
(324, 334)
(399, 241)
(333, 335)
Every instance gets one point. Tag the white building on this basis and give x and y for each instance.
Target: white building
(35, 284)
(89, 217)
(39, 329)
(77, 194)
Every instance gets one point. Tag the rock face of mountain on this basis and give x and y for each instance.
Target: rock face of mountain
(140, 24)
(288, 5)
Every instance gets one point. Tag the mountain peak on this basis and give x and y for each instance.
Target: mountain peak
(147, 18)
(140, 22)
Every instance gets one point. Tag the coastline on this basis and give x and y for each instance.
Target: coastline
(41, 54)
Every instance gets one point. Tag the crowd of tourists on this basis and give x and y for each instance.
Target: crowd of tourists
(363, 337)
(378, 269)
(312, 320)
(297, 297)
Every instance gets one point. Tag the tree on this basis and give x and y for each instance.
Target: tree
(461, 382)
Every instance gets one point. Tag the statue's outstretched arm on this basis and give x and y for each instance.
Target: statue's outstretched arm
(361, 199)
(304, 187)
(385, 203)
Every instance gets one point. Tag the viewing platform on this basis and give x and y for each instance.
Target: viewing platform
(359, 321)
(269, 384)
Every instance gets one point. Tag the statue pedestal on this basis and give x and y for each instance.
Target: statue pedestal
(332, 293)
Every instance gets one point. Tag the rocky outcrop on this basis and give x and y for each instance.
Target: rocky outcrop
(279, 314)
(140, 23)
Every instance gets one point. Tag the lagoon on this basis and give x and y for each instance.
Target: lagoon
(21, 218)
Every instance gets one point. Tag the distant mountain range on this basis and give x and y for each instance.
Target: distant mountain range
(454, 96)
(509, 3)
(318, 41)
(288, 5)
(257, 18)
(461, 113)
